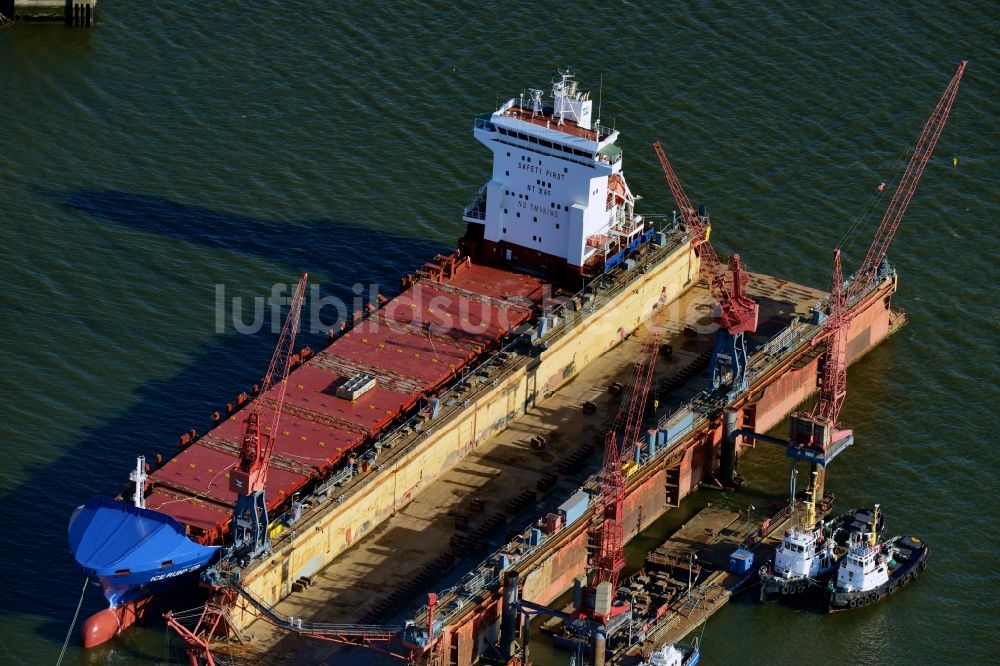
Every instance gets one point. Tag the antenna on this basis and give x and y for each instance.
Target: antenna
(600, 98)
(138, 476)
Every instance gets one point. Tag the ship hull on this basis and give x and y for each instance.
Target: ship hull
(104, 625)
(906, 572)
(132, 553)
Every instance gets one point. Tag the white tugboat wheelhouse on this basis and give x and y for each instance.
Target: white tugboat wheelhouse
(803, 554)
(863, 568)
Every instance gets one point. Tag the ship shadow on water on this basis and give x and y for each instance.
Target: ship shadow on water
(161, 410)
(338, 250)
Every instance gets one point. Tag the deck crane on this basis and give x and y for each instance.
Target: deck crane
(737, 311)
(608, 530)
(250, 522)
(814, 435)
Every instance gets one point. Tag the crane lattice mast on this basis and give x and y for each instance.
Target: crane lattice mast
(815, 436)
(866, 276)
(737, 312)
(250, 522)
(609, 559)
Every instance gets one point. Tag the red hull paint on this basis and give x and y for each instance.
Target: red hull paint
(104, 625)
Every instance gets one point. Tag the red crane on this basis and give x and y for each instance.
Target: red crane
(249, 525)
(737, 312)
(814, 436)
(609, 559)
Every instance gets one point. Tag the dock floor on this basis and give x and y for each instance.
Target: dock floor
(411, 541)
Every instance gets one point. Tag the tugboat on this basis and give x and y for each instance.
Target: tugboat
(806, 556)
(674, 654)
(872, 569)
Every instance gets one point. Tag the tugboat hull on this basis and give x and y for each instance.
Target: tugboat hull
(904, 572)
(775, 588)
(840, 529)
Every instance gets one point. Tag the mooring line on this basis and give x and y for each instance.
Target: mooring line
(69, 632)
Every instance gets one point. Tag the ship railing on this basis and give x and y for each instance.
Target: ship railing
(477, 209)
(603, 131)
(474, 212)
(483, 122)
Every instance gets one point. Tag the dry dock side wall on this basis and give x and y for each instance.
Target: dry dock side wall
(452, 437)
(868, 328)
(664, 487)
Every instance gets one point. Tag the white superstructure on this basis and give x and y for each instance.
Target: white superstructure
(667, 655)
(863, 568)
(803, 554)
(557, 195)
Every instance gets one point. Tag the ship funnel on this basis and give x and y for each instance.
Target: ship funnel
(568, 105)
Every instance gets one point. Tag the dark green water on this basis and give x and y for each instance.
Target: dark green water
(178, 146)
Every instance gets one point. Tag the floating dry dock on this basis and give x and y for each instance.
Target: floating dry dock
(783, 374)
(393, 429)
(475, 504)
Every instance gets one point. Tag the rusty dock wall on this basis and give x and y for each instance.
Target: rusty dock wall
(783, 377)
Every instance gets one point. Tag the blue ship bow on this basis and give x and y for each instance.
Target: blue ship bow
(133, 552)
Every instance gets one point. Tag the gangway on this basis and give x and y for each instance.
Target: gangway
(350, 634)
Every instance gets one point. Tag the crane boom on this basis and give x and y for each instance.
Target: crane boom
(815, 436)
(281, 361)
(738, 313)
(929, 136)
(250, 522)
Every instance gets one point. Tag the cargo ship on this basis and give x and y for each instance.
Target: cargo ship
(554, 254)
